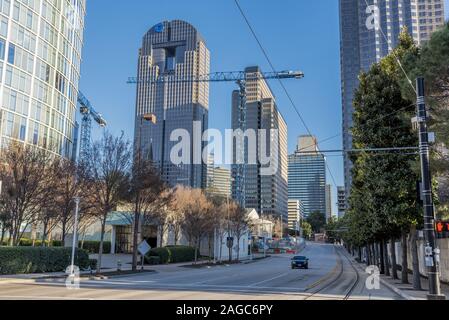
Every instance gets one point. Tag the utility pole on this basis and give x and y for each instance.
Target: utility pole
(432, 258)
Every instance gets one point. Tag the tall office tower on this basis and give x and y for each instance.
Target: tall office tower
(40, 57)
(252, 186)
(173, 50)
(427, 17)
(219, 181)
(307, 177)
(363, 43)
(329, 204)
(341, 202)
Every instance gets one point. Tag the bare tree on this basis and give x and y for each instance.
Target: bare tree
(197, 222)
(240, 224)
(146, 192)
(23, 173)
(108, 172)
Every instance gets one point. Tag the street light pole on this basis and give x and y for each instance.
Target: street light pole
(137, 177)
(432, 252)
(74, 240)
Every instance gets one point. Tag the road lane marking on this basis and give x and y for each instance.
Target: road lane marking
(268, 280)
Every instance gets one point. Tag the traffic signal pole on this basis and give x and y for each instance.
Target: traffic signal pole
(432, 252)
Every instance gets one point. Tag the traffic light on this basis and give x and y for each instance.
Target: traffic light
(442, 226)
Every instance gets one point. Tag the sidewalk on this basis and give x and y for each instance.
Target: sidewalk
(406, 291)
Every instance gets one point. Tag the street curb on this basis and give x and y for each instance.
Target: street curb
(396, 290)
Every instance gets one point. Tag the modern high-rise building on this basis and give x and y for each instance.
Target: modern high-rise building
(174, 50)
(364, 42)
(329, 204)
(252, 187)
(219, 181)
(40, 57)
(307, 177)
(341, 202)
(295, 214)
(427, 17)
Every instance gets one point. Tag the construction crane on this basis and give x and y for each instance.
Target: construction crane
(240, 78)
(87, 114)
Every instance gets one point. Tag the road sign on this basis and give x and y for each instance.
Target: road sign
(230, 242)
(143, 248)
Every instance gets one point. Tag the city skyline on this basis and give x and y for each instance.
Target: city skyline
(317, 54)
(115, 99)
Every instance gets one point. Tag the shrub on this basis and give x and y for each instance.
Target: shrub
(94, 246)
(173, 254)
(152, 260)
(23, 260)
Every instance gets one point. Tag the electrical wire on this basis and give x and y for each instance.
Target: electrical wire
(280, 81)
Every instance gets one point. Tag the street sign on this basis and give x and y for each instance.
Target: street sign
(230, 242)
(143, 248)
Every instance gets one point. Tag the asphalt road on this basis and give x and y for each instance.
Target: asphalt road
(331, 276)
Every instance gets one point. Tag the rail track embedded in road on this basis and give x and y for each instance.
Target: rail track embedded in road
(340, 271)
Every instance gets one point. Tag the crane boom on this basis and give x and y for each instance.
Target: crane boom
(239, 77)
(87, 114)
(231, 76)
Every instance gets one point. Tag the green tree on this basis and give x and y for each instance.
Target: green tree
(306, 229)
(317, 220)
(383, 199)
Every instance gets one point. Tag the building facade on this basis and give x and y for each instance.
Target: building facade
(40, 57)
(329, 204)
(364, 42)
(173, 50)
(252, 187)
(295, 215)
(219, 181)
(307, 177)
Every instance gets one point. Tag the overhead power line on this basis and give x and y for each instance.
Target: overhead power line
(264, 52)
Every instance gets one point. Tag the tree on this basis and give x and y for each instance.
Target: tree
(306, 229)
(240, 224)
(108, 172)
(196, 223)
(146, 191)
(317, 220)
(383, 198)
(23, 174)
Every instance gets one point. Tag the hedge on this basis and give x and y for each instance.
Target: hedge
(24, 260)
(92, 247)
(173, 254)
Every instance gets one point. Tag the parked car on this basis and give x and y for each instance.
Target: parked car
(300, 262)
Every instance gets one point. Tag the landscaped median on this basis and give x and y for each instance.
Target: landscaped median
(27, 260)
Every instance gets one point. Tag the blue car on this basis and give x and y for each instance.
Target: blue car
(300, 263)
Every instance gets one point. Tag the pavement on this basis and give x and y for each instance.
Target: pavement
(332, 276)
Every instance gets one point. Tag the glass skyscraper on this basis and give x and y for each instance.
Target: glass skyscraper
(363, 43)
(40, 56)
(251, 188)
(173, 50)
(307, 177)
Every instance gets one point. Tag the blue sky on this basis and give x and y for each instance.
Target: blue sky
(297, 34)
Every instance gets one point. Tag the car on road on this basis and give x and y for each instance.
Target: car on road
(300, 262)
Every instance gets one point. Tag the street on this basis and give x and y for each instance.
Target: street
(331, 276)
